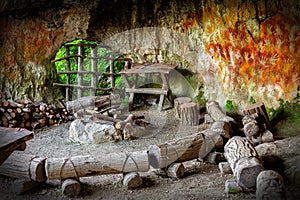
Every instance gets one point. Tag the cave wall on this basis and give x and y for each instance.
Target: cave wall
(240, 50)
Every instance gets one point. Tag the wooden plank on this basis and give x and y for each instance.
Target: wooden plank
(80, 68)
(145, 69)
(94, 81)
(81, 87)
(147, 90)
(11, 139)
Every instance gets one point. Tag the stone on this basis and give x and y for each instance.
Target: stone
(232, 187)
(90, 132)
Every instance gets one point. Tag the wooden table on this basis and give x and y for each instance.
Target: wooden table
(12, 139)
(151, 69)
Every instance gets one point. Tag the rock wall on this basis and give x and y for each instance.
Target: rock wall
(239, 49)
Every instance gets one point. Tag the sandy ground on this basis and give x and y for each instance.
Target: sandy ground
(201, 180)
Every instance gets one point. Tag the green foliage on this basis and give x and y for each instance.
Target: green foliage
(102, 66)
(229, 106)
(274, 113)
(199, 98)
(252, 100)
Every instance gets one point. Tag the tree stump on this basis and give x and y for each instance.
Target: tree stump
(189, 114)
(177, 102)
(244, 162)
(132, 180)
(270, 185)
(71, 187)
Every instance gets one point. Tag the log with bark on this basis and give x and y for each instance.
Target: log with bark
(244, 162)
(80, 166)
(132, 180)
(183, 149)
(261, 111)
(20, 165)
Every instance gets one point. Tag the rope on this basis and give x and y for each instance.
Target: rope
(29, 171)
(128, 155)
(170, 145)
(63, 165)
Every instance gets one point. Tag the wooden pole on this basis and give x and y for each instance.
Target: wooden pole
(68, 75)
(80, 166)
(112, 71)
(80, 68)
(94, 81)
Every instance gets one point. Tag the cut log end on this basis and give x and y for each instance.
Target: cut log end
(132, 180)
(71, 188)
(175, 170)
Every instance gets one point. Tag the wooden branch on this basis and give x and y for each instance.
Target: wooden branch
(80, 166)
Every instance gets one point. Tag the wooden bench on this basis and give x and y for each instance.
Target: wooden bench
(12, 139)
(161, 70)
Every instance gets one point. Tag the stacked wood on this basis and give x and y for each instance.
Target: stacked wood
(261, 111)
(31, 115)
(80, 166)
(256, 133)
(270, 185)
(24, 166)
(244, 162)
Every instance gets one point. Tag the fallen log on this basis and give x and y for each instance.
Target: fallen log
(223, 128)
(270, 185)
(244, 162)
(24, 166)
(92, 101)
(81, 166)
(183, 149)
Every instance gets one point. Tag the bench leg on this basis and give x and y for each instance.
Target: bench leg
(131, 97)
(161, 101)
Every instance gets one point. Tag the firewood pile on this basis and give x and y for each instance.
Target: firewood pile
(31, 115)
(105, 109)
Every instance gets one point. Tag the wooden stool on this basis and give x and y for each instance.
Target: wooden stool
(189, 114)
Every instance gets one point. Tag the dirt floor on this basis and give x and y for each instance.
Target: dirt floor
(201, 180)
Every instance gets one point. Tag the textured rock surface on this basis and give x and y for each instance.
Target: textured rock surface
(239, 49)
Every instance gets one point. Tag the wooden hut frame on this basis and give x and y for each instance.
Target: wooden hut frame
(81, 70)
